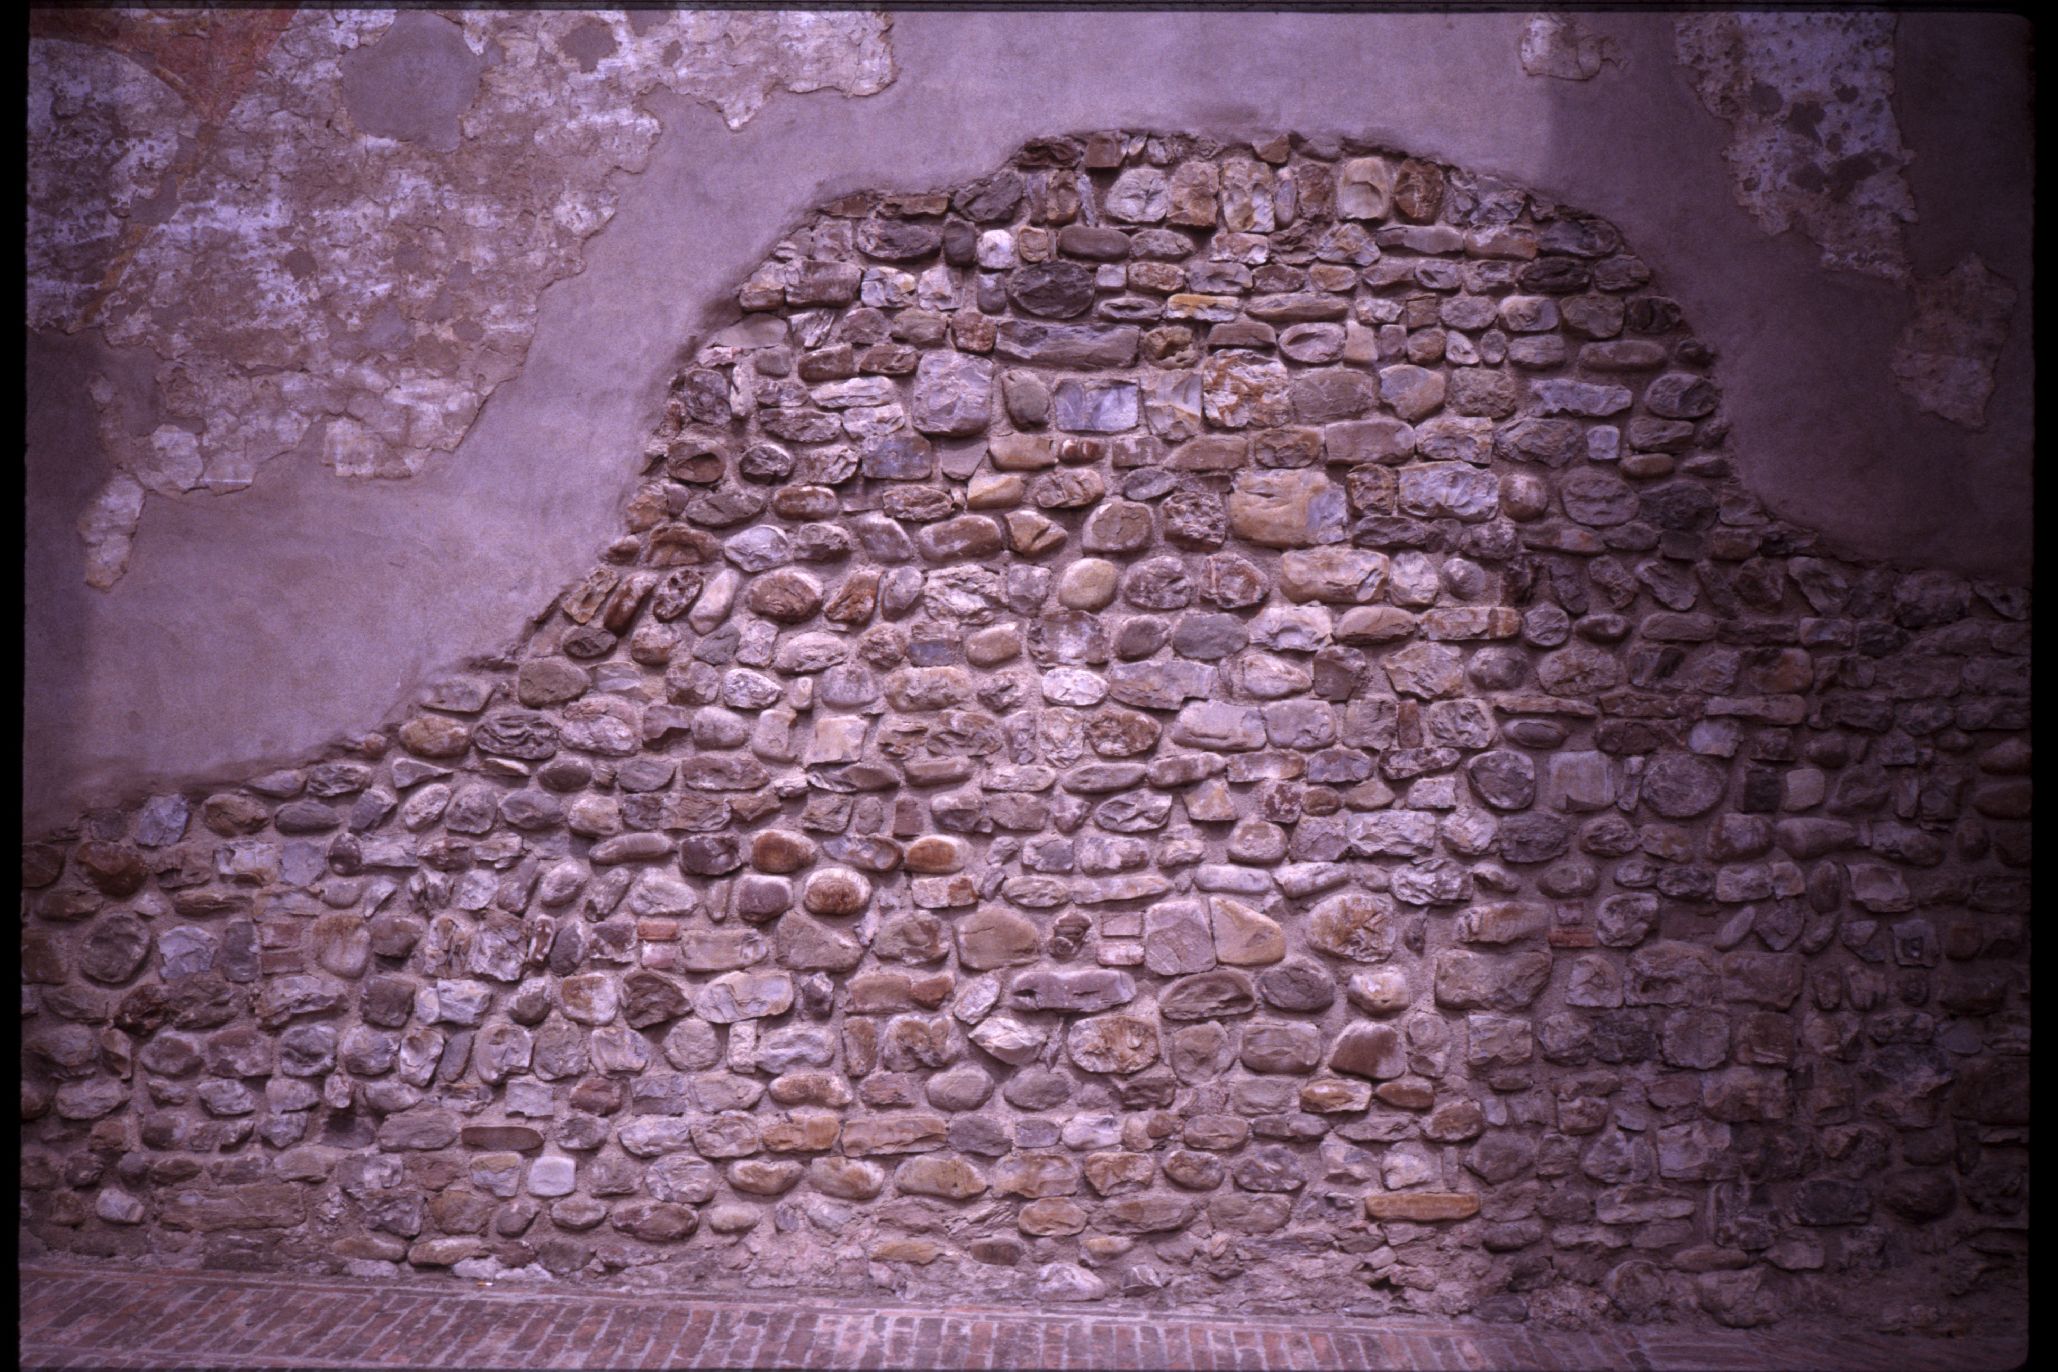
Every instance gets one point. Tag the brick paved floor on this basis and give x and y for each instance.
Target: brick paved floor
(102, 1316)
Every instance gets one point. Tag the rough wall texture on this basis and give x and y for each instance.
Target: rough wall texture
(1815, 147)
(347, 258)
(1813, 141)
(1193, 723)
(253, 625)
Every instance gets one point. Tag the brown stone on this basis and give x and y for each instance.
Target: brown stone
(1035, 1176)
(1422, 1207)
(1209, 995)
(994, 937)
(805, 1131)
(1146, 1214)
(807, 945)
(950, 1177)
(871, 1135)
(846, 1178)
(765, 1176)
(786, 595)
(936, 854)
(1243, 936)
(1114, 1173)
(1281, 1047)
(1354, 925)
(264, 1205)
(434, 736)
(1053, 1217)
(1293, 508)
(1369, 1050)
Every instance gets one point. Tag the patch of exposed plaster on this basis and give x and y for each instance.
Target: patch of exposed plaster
(108, 525)
(1813, 142)
(103, 133)
(1945, 358)
(354, 259)
(415, 84)
(1559, 46)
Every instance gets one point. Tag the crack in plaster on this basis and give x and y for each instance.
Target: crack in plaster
(320, 289)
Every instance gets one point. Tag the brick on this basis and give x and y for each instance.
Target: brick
(105, 1317)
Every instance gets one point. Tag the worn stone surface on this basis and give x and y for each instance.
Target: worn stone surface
(1642, 874)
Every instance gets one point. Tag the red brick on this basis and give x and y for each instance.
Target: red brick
(106, 1317)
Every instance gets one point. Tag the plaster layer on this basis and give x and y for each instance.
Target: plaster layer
(1813, 142)
(227, 674)
(356, 252)
(1945, 359)
(1558, 46)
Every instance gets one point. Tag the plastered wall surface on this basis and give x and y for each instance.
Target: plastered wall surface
(246, 623)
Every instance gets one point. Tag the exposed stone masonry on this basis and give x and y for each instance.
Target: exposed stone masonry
(1202, 724)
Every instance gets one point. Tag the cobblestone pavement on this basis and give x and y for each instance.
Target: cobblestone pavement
(82, 1316)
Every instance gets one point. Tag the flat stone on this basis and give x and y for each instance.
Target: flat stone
(805, 944)
(280, 1205)
(876, 1135)
(949, 1177)
(1177, 938)
(1467, 981)
(737, 996)
(1358, 926)
(1095, 406)
(1244, 937)
(1422, 1207)
(1370, 1050)
(953, 395)
(1071, 992)
(1294, 508)
(993, 937)
(1219, 727)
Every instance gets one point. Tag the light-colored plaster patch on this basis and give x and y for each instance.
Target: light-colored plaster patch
(103, 132)
(1945, 359)
(1813, 141)
(108, 526)
(1558, 46)
(363, 294)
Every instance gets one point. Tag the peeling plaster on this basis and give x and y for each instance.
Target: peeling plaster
(1558, 46)
(351, 292)
(1813, 141)
(1945, 358)
(103, 133)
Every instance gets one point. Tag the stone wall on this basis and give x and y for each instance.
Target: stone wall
(1199, 724)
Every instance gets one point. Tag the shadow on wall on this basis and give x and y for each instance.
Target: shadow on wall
(1820, 276)
(63, 467)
